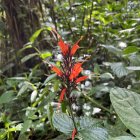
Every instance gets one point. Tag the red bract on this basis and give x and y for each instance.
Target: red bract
(80, 79)
(69, 75)
(74, 49)
(75, 71)
(64, 47)
(62, 95)
(74, 132)
(57, 70)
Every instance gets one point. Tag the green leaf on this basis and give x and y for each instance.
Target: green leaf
(50, 114)
(63, 122)
(127, 105)
(23, 137)
(7, 97)
(26, 125)
(45, 55)
(130, 49)
(94, 134)
(134, 59)
(127, 30)
(3, 134)
(49, 78)
(106, 76)
(23, 89)
(133, 68)
(119, 69)
(86, 122)
(85, 125)
(37, 33)
(124, 138)
(117, 129)
(27, 57)
(33, 96)
(61, 137)
(26, 46)
(112, 48)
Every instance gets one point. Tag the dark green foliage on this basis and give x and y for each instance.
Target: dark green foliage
(107, 104)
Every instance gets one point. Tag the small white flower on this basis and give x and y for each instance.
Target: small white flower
(88, 107)
(129, 87)
(122, 45)
(84, 106)
(87, 83)
(82, 86)
(87, 113)
(59, 57)
(96, 110)
(75, 107)
(73, 19)
(87, 72)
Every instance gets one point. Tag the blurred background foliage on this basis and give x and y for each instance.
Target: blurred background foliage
(28, 89)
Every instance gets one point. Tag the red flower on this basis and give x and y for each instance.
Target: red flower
(62, 95)
(74, 132)
(64, 47)
(74, 49)
(81, 79)
(57, 70)
(75, 71)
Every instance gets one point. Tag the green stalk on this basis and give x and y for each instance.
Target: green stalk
(96, 103)
(70, 104)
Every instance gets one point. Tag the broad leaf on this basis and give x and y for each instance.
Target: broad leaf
(117, 129)
(86, 122)
(133, 68)
(112, 48)
(26, 125)
(124, 138)
(130, 49)
(127, 105)
(7, 97)
(94, 134)
(61, 137)
(119, 69)
(63, 122)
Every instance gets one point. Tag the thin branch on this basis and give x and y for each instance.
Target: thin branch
(89, 22)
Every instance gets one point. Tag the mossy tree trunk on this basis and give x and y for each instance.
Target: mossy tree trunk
(22, 20)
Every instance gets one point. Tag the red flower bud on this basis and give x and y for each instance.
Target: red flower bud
(64, 47)
(75, 71)
(81, 79)
(57, 70)
(74, 49)
(62, 95)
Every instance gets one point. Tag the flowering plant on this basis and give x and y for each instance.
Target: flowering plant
(69, 74)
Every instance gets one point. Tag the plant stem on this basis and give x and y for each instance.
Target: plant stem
(69, 102)
(72, 115)
(96, 103)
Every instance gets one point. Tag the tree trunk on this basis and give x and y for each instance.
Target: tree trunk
(22, 20)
